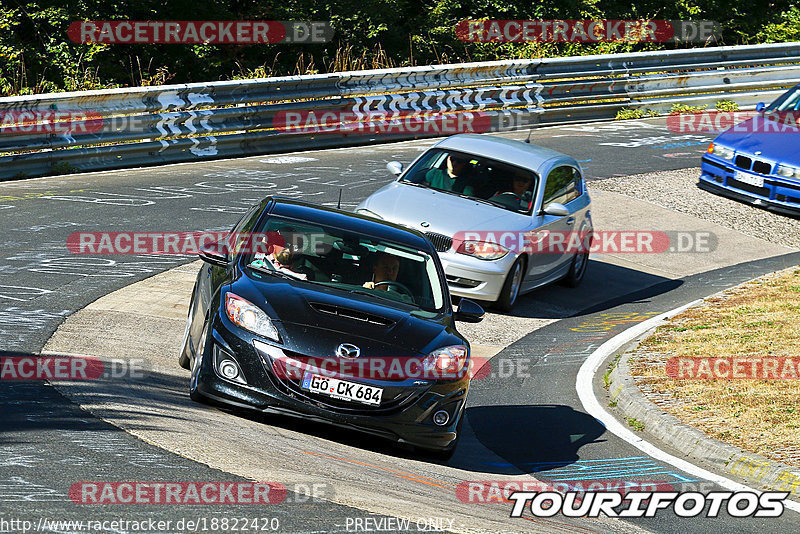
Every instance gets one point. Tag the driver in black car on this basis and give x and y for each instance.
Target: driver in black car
(384, 269)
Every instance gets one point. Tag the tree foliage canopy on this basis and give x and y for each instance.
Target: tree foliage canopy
(37, 56)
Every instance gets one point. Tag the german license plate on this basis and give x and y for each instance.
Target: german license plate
(341, 389)
(750, 179)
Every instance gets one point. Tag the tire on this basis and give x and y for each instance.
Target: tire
(183, 358)
(577, 270)
(511, 287)
(197, 365)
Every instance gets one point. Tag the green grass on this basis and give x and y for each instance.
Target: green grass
(611, 366)
(635, 424)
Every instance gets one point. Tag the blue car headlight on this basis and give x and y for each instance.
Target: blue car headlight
(720, 151)
(787, 171)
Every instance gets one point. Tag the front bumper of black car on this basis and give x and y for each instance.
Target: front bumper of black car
(408, 422)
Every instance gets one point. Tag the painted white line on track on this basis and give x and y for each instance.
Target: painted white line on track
(593, 407)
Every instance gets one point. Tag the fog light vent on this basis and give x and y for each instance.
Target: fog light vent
(226, 366)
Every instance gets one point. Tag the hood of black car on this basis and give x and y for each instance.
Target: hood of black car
(316, 319)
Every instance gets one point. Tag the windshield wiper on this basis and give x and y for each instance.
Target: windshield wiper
(376, 295)
(476, 199)
(418, 184)
(370, 294)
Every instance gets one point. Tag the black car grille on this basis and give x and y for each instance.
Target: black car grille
(761, 167)
(761, 191)
(441, 243)
(743, 162)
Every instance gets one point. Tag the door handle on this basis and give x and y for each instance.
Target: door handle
(571, 220)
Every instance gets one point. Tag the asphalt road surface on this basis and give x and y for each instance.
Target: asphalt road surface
(49, 443)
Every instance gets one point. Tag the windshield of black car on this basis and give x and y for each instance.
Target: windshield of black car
(333, 257)
(789, 101)
(475, 177)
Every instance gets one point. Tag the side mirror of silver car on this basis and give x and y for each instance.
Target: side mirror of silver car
(557, 209)
(395, 167)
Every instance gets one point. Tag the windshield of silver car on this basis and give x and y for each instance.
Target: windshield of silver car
(475, 177)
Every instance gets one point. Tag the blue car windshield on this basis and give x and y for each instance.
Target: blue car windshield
(475, 177)
(789, 101)
(337, 258)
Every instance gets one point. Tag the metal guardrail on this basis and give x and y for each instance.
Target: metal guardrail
(174, 123)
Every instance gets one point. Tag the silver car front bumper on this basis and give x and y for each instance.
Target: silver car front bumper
(473, 278)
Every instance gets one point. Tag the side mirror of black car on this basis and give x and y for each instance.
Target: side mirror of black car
(215, 253)
(469, 312)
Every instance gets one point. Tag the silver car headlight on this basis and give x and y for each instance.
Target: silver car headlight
(788, 171)
(247, 315)
(721, 151)
(482, 250)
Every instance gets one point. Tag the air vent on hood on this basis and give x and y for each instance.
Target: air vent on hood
(348, 313)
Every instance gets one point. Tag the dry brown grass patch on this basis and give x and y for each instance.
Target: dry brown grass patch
(760, 318)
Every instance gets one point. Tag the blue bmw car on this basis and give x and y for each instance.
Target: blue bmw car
(758, 160)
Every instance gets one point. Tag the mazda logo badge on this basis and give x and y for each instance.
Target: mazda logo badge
(424, 224)
(348, 351)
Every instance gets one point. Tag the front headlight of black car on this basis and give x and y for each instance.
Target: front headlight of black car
(447, 362)
(247, 315)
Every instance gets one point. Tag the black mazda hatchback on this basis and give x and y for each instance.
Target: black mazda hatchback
(333, 317)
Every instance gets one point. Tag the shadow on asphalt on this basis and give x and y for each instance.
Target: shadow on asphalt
(605, 286)
(552, 434)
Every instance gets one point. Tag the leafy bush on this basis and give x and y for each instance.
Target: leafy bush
(727, 105)
(684, 108)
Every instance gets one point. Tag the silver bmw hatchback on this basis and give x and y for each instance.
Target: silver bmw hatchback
(503, 215)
